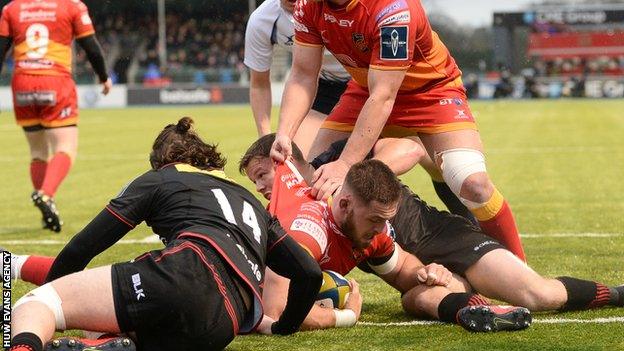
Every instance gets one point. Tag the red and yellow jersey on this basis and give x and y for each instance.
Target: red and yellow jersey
(42, 33)
(378, 34)
(312, 225)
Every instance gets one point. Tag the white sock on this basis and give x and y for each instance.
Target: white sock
(17, 261)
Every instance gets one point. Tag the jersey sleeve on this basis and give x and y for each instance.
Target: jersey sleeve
(305, 31)
(384, 255)
(134, 202)
(5, 28)
(394, 36)
(299, 214)
(258, 46)
(81, 21)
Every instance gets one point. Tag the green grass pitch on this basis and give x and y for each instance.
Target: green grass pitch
(559, 163)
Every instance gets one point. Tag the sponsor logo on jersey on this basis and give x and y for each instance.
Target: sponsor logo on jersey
(456, 101)
(332, 19)
(299, 27)
(289, 40)
(359, 41)
(38, 4)
(401, 17)
(312, 229)
(136, 283)
(393, 42)
(461, 114)
(36, 16)
(395, 6)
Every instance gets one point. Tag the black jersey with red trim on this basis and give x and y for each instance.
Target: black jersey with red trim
(181, 201)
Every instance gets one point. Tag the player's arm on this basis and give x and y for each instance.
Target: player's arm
(383, 87)
(258, 58)
(403, 271)
(128, 209)
(260, 99)
(289, 260)
(5, 45)
(100, 234)
(299, 91)
(92, 48)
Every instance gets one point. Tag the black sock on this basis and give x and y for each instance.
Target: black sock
(452, 202)
(28, 340)
(585, 294)
(453, 302)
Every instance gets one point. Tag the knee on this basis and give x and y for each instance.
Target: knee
(417, 303)
(477, 188)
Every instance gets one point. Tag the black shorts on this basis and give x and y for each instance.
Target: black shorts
(179, 298)
(327, 95)
(457, 245)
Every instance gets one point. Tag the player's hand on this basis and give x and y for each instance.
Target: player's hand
(434, 274)
(265, 325)
(281, 149)
(354, 301)
(107, 86)
(328, 178)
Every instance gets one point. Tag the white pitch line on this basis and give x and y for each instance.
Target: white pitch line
(535, 321)
(153, 239)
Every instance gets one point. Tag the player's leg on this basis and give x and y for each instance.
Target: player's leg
(308, 130)
(444, 192)
(456, 304)
(64, 146)
(82, 300)
(459, 155)
(39, 152)
(501, 275)
(31, 268)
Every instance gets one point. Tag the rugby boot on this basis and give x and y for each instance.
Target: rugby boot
(490, 318)
(47, 206)
(620, 300)
(75, 344)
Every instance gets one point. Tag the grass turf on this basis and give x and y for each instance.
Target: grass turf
(559, 163)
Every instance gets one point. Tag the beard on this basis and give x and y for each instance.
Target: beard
(348, 229)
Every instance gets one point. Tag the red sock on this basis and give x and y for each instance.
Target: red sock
(502, 227)
(36, 269)
(37, 172)
(476, 300)
(603, 296)
(58, 167)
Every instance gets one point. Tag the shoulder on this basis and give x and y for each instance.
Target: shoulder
(267, 12)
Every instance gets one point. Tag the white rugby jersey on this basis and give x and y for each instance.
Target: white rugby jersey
(271, 25)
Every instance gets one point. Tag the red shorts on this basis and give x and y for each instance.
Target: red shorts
(441, 109)
(48, 101)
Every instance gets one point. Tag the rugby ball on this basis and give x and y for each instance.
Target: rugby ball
(334, 292)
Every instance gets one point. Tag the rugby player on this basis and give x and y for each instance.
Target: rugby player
(269, 25)
(44, 93)
(405, 82)
(199, 291)
(478, 263)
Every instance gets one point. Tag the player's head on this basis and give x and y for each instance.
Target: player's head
(288, 5)
(257, 165)
(368, 198)
(180, 143)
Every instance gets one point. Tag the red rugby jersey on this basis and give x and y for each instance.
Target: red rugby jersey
(42, 32)
(312, 225)
(378, 34)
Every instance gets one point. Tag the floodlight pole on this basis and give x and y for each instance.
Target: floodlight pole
(162, 34)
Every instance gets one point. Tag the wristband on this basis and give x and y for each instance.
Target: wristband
(345, 318)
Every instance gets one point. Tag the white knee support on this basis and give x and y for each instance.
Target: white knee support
(459, 164)
(47, 295)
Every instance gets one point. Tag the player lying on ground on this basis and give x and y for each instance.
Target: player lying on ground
(199, 291)
(479, 263)
(405, 82)
(352, 229)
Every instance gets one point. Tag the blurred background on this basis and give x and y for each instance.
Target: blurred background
(190, 52)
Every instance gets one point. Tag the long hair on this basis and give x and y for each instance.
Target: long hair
(180, 143)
